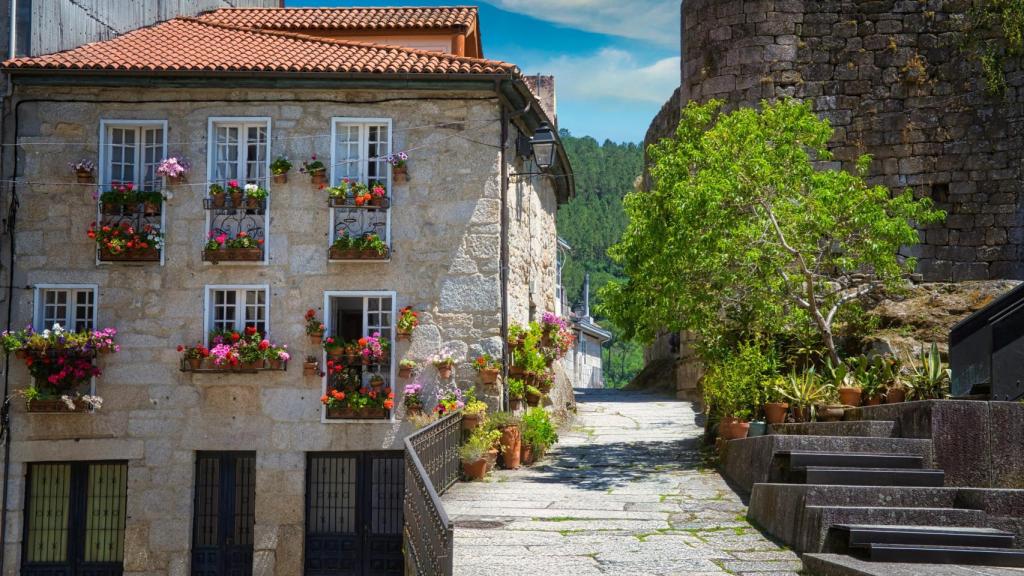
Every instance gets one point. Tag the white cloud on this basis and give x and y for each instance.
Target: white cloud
(611, 74)
(654, 20)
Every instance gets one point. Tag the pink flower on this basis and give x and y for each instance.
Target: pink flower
(233, 183)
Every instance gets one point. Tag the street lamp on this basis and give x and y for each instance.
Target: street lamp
(543, 144)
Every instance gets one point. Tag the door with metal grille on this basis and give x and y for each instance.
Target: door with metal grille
(354, 514)
(75, 519)
(224, 510)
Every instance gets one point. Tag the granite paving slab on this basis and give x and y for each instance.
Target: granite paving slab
(623, 493)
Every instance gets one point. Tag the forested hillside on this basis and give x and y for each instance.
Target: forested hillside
(591, 223)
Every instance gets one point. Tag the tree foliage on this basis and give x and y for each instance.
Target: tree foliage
(744, 231)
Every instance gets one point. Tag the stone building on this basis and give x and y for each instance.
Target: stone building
(896, 83)
(200, 471)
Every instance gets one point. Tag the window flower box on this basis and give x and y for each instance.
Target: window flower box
(233, 255)
(349, 413)
(148, 254)
(50, 406)
(348, 202)
(235, 352)
(357, 254)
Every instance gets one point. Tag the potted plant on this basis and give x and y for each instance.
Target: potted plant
(844, 381)
(405, 368)
(373, 349)
(449, 399)
(278, 357)
(255, 197)
(218, 196)
(533, 396)
(538, 434)
(545, 382)
(930, 377)
(125, 243)
(399, 167)
(236, 193)
(408, 320)
(775, 408)
(378, 195)
(511, 441)
(803, 391)
(488, 368)
(311, 367)
(174, 169)
(516, 393)
(316, 170)
(194, 355)
(472, 454)
(868, 374)
(473, 413)
(314, 328)
(335, 349)
(280, 168)
(444, 361)
(120, 198)
(890, 370)
(242, 248)
(83, 170)
(412, 396)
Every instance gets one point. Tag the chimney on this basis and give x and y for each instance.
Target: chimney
(543, 88)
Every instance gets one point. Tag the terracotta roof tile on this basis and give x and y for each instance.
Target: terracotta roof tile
(188, 44)
(391, 18)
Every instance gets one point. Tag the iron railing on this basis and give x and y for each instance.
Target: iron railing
(431, 467)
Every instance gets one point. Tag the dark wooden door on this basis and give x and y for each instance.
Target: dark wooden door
(75, 519)
(354, 514)
(224, 510)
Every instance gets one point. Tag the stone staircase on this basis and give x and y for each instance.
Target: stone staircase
(834, 490)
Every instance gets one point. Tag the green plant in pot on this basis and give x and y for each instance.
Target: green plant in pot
(890, 371)
(866, 372)
(841, 378)
(803, 391)
(930, 377)
(474, 412)
(516, 392)
(775, 407)
(509, 426)
(474, 456)
(538, 434)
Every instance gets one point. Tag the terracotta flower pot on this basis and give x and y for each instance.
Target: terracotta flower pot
(310, 369)
(775, 412)
(318, 178)
(400, 177)
(83, 176)
(515, 404)
(732, 429)
(492, 458)
(874, 400)
(895, 396)
(413, 410)
(281, 178)
(236, 199)
(533, 399)
(850, 395)
(470, 422)
(802, 414)
(195, 363)
(544, 386)
(335, 353)
(253, 203)
(510, 447)
(404, 336)
(404, 372)
(316, 340)
(175, 180)
(526, 455)
(445, 372)
(515, 371)
(219, 200)
(475, 470)
(488, 376)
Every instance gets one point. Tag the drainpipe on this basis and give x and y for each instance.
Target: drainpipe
(505, 352)
(14, 28)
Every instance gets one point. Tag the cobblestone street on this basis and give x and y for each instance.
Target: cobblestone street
(622, 493)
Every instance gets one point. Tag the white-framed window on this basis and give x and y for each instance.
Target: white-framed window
(73, 306)
(234, 308)
(349, 316)
(130, 151)
(359, 150)
(239, 150)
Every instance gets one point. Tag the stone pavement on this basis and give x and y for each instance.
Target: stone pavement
(622, 493)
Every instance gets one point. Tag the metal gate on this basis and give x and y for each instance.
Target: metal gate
(354, 514)
(75, 519)
(224, 511)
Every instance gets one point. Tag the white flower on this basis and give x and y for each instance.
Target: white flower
(68, 401)
(250, 188)
(95, 401)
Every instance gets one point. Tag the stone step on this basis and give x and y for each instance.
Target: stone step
(863, 536)
(850, 476)
(970, 555)
(819, 521)
(862, 428)
(797, 460)
(749, 461)
(776, 498)
(843, 565)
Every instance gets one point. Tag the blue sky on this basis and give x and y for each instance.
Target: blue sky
(616, 61)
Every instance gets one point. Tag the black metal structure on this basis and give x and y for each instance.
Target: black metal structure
(431, 467)
(354, 514)
(75, 519)
(986, 350)
(224, 509)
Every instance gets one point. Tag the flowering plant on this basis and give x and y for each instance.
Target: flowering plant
(341, 190)
(377, 190)
(83, 165)
(373, 348)
(331, 345)
(194, 352)
(59, 360)
(255, 192)
(125, 237)
(367, 242)
(559, 334)
(280, 165)
(314, 327)
(407, 364)
(216, 189)
(408, 319)
(173, 167)
(119, 194)
(449, 400)
(231, 348)
(361, 193)
(444, 358)
(412, 395)
(397, 160)
(218, 241)
(233, 187)
(313, 166)
(486, 362)
(359, 399)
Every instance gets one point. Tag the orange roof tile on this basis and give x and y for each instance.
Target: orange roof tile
(189, 44)
(361, 19)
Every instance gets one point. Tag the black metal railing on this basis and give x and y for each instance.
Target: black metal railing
(431, 467)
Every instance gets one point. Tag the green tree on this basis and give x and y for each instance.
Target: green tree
(744, 230)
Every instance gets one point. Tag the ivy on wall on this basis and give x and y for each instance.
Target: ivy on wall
(994, 31)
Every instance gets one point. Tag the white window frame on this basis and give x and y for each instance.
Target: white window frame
(329, 318)
(104, 177)
(240, 305)
(364, 145)
(38, 303)
(242, 123)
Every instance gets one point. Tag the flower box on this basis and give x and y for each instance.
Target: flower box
(348, 413)
(357, 254)
(130, 255)
(58, 406)
(233, 255)
(348, 203)
(206, 366)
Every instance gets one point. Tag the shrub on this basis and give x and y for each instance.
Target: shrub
(538, 431)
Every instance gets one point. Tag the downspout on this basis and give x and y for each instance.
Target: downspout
(505, 352)
(14, 29)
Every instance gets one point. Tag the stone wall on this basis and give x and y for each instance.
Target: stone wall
(446, 238)
(890, 77)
